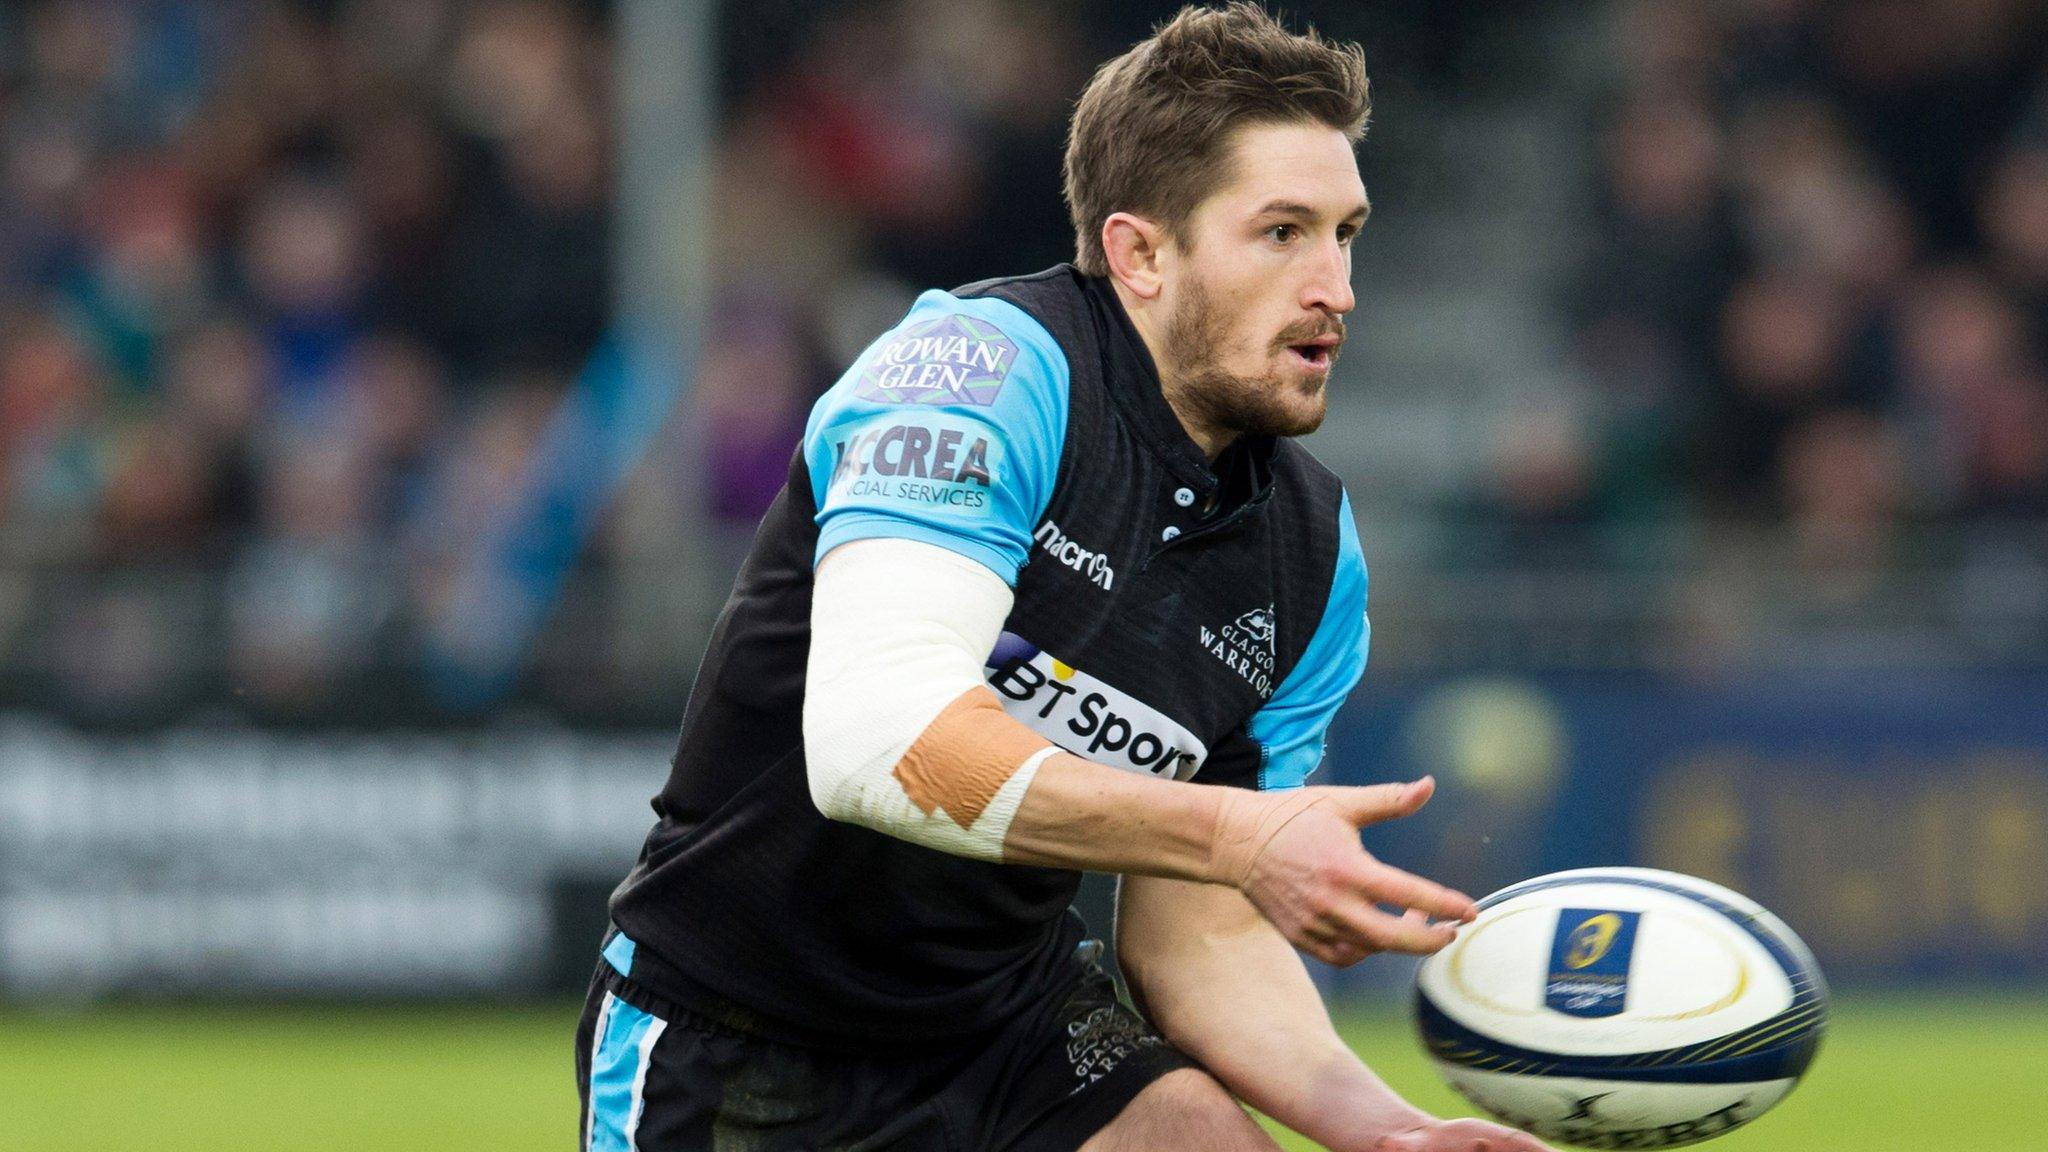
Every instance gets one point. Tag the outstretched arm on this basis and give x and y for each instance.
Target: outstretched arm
(1225, 988)
(903, 735)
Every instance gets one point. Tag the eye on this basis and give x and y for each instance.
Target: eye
(1282, 233)
(1346, 233)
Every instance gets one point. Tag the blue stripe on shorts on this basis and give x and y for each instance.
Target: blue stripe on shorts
(618, 1074)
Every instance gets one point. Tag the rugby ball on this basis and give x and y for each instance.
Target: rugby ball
(1622, 1008)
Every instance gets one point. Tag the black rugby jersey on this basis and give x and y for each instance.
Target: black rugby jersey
(1171, 617)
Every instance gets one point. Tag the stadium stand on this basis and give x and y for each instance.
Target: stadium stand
(288, 291)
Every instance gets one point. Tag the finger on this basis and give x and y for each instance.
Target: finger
(1366, 925)
(1323, 938)
(1320, 940)
(1418, 916)
(1338, 956)
(1373, 803)
(1344, 955)
(1316, 934)
(1333, 952)
(1334, 944)
(1390, 885)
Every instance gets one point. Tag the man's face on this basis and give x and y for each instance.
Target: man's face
(1262, 279)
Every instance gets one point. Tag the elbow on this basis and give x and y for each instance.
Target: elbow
(827, 799)
(1135, 985)
(839, 802)
(1158, 1006)
(1142, 979)
(829, 793)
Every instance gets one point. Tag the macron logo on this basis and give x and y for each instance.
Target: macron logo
(1061, 547)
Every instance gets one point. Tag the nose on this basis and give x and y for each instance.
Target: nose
(1329, 282)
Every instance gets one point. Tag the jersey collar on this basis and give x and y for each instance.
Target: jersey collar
(1133, 379)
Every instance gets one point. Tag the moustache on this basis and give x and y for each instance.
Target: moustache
(1306, 330)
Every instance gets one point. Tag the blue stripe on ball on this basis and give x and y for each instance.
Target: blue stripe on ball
(1784, 1046)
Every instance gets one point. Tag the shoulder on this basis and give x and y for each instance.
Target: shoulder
(1057, 299)
(949, 429)
(951, 349)
(1298, 468)
(1316, 500)
(1324, 527)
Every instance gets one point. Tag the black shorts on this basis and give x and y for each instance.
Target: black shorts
(666, 1079)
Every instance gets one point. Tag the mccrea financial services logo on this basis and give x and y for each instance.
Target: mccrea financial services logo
(951, 360)
(1245, 646)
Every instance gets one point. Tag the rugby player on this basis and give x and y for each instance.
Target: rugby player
(1050, 589)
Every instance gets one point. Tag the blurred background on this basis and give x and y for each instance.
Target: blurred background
(388, 389)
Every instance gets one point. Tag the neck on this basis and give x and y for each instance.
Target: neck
(1146, 316)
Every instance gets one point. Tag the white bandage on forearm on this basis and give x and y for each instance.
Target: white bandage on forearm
(901, 732)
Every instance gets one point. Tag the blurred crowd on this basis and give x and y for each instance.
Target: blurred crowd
(290, 289)
(1820, 293)
(285, 290)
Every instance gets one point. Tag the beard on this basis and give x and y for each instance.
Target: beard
(1247, 405)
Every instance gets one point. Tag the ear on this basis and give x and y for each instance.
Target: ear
(1134, 248)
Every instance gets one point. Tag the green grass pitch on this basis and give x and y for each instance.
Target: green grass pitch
(1912, 1074)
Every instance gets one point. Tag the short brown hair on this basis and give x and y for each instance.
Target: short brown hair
(1149, 133)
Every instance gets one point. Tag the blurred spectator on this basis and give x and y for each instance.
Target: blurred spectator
(527, 261)
(306, 594)
(53, 398)
(1935, 88)
(302, 260)
(1669, 250)
(1842, 475)
(1783, 355)
(1976, 391)
(2014, 219)
(759, 377)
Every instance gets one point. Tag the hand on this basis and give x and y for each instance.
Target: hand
(1297, 858)
(1433, 1135)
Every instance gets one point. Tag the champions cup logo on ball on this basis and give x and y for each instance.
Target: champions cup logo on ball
(1589, 962)
(1591, 940)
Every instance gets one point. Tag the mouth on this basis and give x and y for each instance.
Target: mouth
(1316, 355)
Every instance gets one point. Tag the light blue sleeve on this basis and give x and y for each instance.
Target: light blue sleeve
(947, 430)
(1291, 727)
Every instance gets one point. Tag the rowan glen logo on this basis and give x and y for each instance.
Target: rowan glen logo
(1246, 647)
(1061, 547)
(951, 360)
